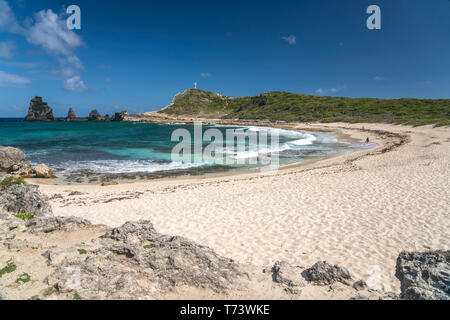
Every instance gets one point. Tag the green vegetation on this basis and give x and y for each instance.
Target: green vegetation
(24, 278)
(10, 268)
(148, 246)
(9, 181)
(76, 296)
(24, 216)
(285, 106)
(82, 251)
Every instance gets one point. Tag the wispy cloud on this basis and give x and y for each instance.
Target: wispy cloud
(75, 84)
(378, 78)
(8, 21)
(292, 40)
(205, 75)
(7, 49)
(322, 91)
(12, 80)
(20, 64)
(49, 31)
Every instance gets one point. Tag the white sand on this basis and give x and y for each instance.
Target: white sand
(359, 214)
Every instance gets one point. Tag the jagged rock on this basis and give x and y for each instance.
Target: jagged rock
(42, 171)
(25, 199)
(134, 261)
(360, 285)
(51, 224)
(119, 116)
(424, 276)
(71, 115)
(10, 157)
(39, 111)
(94, 115)
(288, 275)
(322, 273)
(21, 170)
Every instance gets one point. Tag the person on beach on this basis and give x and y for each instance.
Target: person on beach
(367, 140)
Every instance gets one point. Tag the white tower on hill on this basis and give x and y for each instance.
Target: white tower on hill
(195, 85)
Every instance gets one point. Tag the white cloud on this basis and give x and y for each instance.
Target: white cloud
(8, 21)
(322, 91)
(49, 31)
(205, 75)
(75, 84)
(12, 80)
(6, 49)
(378, 78)
(292, 40)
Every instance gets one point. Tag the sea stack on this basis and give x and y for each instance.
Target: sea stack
(94, 116)
(119, 116)
(39, 111)
(71, 115)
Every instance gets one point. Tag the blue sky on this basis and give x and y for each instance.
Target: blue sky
(137, 55)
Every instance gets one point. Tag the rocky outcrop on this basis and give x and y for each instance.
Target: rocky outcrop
(322, 274)
(71, 115)
(119, 116)
(10, 158)
(39, 111)
(25, 199)
(424, 276)
(50, 224)
(134, 262)
(42, 171)
(94, 115)
(289, 276)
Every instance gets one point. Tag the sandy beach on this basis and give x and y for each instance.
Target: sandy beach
(358, 210)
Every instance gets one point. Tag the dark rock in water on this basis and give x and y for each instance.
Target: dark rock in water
(424, 276)
(10, 157)
(136, 262)
(119, 116)
(322, 273)
(39, 111)
(71, 115)
(94, 116)
(25, 199)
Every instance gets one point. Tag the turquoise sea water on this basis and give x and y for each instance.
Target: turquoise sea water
(111, 147)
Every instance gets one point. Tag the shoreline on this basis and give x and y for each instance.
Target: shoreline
(217, 171)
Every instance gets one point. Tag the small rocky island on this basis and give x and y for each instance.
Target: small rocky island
(41, 111)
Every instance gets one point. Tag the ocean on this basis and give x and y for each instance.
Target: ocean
(126, 147)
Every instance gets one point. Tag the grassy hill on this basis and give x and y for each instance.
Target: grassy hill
(287, 106)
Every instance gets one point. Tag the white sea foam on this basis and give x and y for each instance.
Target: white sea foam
(124, 166)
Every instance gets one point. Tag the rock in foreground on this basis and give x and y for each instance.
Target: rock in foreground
(39, 111)
(10, 157)
(322, 273)
(424, 276)
(25, 199)
(134, 261)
